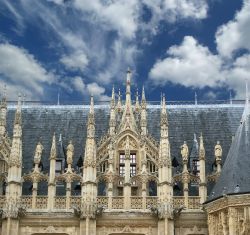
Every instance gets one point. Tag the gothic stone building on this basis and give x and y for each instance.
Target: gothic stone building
(128, 168)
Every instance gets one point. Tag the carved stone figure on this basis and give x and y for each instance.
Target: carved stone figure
(38, 153)
(70, 152)
(218, 150)
(184, 151)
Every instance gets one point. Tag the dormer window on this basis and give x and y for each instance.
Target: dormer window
(59, 166)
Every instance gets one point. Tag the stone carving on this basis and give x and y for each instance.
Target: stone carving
(38, 153)
(184, 151)
(70, 153)
(13, 209)
(218, 151)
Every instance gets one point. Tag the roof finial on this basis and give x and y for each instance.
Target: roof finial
(163, 105)
(58, 98)
(195, 98)
(91, 110)
(119, 102)
(112, 103)
(128, 82)
(230, 98)
(137, 105)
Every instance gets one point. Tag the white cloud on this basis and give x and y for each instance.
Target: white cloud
(19, 68)
(236, 33)
(78, 84)
(189, 64)
(237, 75)
(125, 17)
(121, 16)
(76, 61)
(89, 89)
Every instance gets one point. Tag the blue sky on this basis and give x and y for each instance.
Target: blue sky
(82, 47)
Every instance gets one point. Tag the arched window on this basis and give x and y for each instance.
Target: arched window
(101, 190)
(152, 188)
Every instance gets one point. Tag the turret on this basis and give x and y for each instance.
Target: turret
(202, 185)
(143, 114)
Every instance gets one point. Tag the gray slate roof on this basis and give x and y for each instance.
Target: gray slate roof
(218, 122)
(235, 174)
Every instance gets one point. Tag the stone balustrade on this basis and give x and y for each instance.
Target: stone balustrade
(117, 202)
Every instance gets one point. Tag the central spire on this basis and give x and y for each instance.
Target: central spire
(128, 84)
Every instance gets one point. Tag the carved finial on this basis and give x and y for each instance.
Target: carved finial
(163, 105)
(201, 148)
(195, 98)
(119, 102)
(53, 152)
(230, 98)
(58, 98)
(18, 111)
(91, 110)
(128, 83)
(91, 120)
(143, 98)
(112, 102)
(137, 105)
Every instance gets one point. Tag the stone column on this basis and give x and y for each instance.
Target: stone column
(34, 194)
(52, 183)
(232, 220)
(202, 185)
(68, 194)
(127, 184)
(110, 194)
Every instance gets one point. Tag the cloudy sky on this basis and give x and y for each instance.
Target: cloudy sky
(82, 47)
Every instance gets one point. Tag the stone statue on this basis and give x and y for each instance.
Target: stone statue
(184, 151)
(70, 152)
(218, 150)
(38, 153)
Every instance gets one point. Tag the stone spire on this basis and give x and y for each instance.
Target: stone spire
(165, 177)
(203, 185)
(52, 174)
(15, 159)
(89, 188)
(137, 104)
(119, 102)
(3, 113)
(14, 178)
(164, 118)
(128, 119)
(128, 86)
(91, 120)
(112, 121)
(90, 147)
(143, 113)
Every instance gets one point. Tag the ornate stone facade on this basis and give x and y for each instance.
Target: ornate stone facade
(126, 181)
